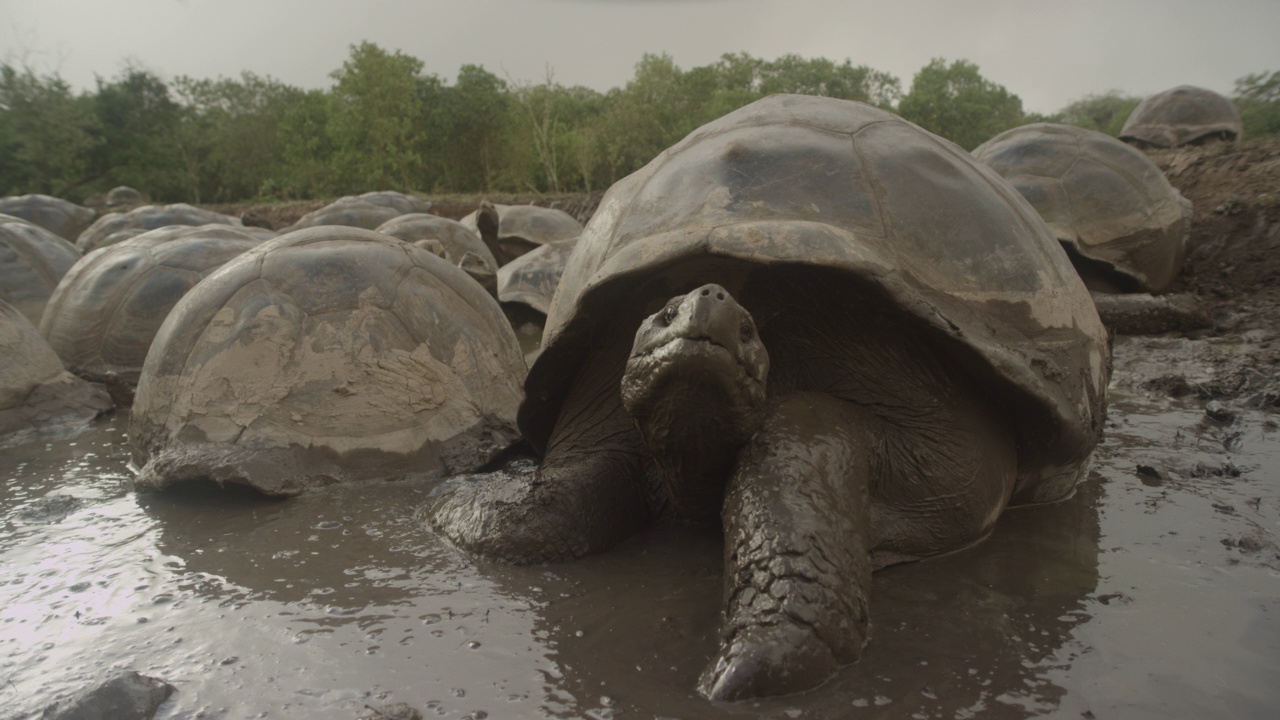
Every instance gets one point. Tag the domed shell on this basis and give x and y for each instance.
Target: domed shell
(124, 195)
(834, 184)
(105, 312)
(32, 261)
(396, 200)
(366, 211)
(1180, 116)
(116, 227)
(60, 217)
(447, 238)
(532, 278)
(329, 354)
(522, 228)
(1104, 200)
(36, 392)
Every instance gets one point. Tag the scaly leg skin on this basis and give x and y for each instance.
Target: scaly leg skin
(596, 486)
(545, 515)
(797, 555)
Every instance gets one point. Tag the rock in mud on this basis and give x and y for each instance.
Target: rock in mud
(1217, 411)
(129, 696)
(51, 509)
(397, 711)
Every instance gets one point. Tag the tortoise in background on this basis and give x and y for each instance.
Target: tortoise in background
(513, 230)
(1123, 225)
(105, 312)
(1183, 115)
(526, 287)
(835, 331)
(36, 391)
(60, 217)
(450, 240)
(366, 211)
(32, 261)
(330, 354)
(116, 227)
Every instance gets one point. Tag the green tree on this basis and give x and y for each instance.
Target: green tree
(230, 134)
(1257, 97)
(471, 124)
(306, 148)
(45, 133)
(956, 102)
(375, 120)
(138, 125)
(1104, 112)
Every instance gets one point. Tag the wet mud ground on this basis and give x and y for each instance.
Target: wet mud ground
(1153, 592)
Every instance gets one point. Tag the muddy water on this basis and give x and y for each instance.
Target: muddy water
(1151, 593)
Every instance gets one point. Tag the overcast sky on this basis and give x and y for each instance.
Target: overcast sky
(1047, 52)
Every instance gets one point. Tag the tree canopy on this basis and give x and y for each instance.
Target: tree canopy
(387, 123)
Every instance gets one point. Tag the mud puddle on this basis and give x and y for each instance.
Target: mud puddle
(1153, 592)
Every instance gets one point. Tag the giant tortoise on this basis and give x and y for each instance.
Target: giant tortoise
(526, 286)
(36, 391)
(60, 217)
(117, 227)
(1124, 226)
(367, 211)
(513, 230)
(326, 355)
(105, 312)
(32, 261)
(1184, 115)
(450, 240)
(835, 331)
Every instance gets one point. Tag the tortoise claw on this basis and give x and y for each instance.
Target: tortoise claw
(768, 660)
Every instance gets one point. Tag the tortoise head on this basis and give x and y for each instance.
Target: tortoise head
(695, 386)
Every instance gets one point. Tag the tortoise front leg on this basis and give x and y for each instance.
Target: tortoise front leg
(797, 550)
(596, 485)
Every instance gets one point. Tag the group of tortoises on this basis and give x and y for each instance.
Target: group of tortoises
(844, 338)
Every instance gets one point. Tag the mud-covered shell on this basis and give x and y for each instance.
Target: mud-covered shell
(60, 217)
(532, 278)
(839, 185)
(117, 227)
(36, 391)
(1182, 115)
(32, 261)
(124, 195)
(366, 211)
(328, 354)
(1105, 200)
(396, 200)
(447, 238)
(522, 228)
(105, 312)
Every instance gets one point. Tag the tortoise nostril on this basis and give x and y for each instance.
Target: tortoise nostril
(705, 292)
(719, 296)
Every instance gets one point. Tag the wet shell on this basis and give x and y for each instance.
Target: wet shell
(36, 392)
(60, 217)
(115, 227)
(1104, 200)
(32, 261)
(327, 355)
(842, 186)
(107, 309)
(1181, 116)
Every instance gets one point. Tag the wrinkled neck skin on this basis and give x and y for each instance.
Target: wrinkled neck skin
(695, 385)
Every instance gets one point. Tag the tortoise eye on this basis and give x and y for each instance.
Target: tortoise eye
(747, 330)
(669, 314)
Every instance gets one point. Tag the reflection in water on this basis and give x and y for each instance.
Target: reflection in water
(1141, 596)
(957, 636)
